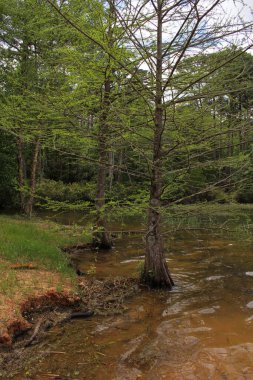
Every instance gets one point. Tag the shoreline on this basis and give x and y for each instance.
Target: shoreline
(54, 309)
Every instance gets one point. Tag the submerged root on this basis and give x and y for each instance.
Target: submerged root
(152, 283)
(160, 279)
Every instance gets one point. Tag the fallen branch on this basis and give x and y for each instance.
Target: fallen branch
(23, 266)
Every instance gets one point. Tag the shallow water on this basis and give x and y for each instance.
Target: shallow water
(201, 330)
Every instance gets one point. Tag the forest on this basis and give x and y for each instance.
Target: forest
(118, 109)
(106, 111)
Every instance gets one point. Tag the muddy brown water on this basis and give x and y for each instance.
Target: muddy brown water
(201, 330)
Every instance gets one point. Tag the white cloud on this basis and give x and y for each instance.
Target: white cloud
(243, 8)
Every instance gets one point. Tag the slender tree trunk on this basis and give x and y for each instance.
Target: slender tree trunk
(21, 173)
(20, 143)
(216, 154)
(118, 172)
(230, 143)
(101, 237)
(111, 169)
(241, 129)
(90, 122)
(33, 179)
(156, 272)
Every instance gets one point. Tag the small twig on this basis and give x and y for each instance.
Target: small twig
(35, 332)
(52, 352)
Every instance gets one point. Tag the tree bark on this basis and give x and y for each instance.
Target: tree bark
(111, 169)
(118, 174)
(21, 173)
(101, 237)
(33, 179)
(156, 272)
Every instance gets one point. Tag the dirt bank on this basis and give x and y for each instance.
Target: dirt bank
(40, 313)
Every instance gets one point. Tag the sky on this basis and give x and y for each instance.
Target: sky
(246, 11)
(233, 7)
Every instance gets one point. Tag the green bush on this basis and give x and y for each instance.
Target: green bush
(62, 192)
(245, 194)
(220, 196)
(8, 173)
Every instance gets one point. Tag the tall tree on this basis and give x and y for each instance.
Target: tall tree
(162, 34)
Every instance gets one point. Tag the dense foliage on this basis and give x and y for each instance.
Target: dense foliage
(103, 108)
(52, 84)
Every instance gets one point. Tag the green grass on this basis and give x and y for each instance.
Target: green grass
(25, 241)
(8, 281)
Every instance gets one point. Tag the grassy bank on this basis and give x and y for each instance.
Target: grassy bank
(31, 263)
(35, 241)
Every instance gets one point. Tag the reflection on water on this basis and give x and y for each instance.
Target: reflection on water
(201, 330)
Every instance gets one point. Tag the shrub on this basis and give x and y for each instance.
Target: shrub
(62, 192)
(245, 194)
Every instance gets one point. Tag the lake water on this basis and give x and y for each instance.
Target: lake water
(201, 330)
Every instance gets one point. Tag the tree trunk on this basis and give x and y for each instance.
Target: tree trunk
(90, 122)
(118, 175)
(21, 173)
(156, 273)
(101, 237)
(30, 201)
(230, 143)
(111, 169)
(241, 128)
